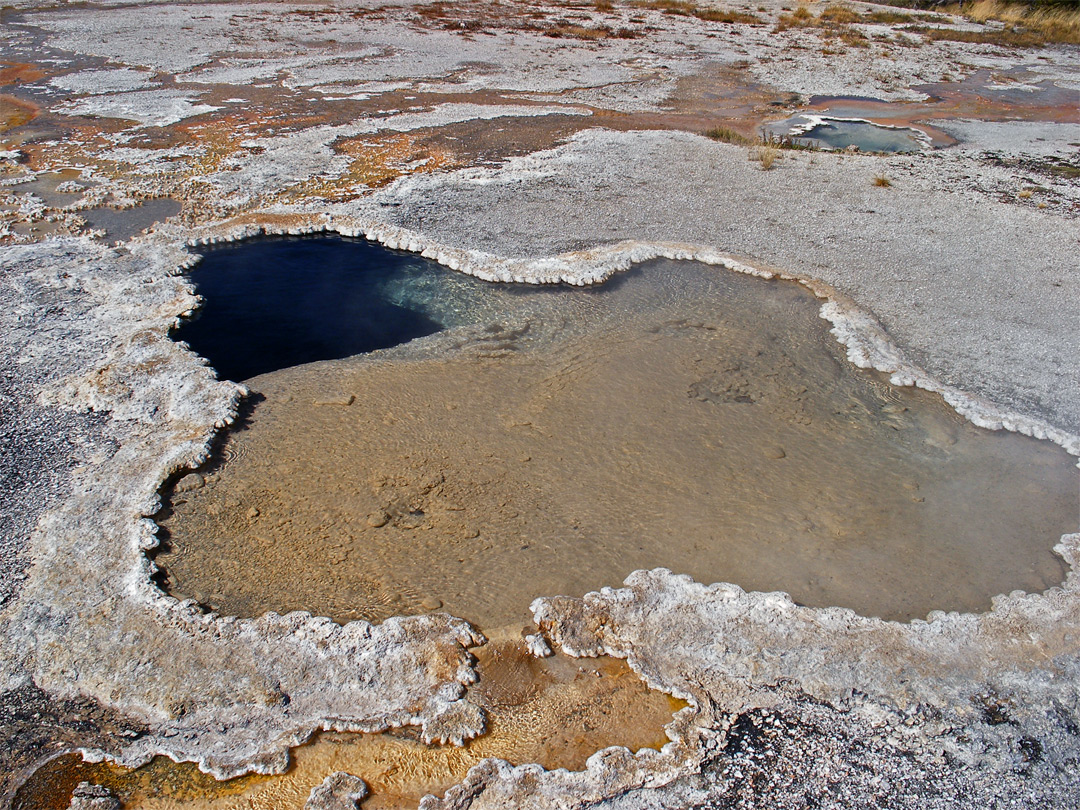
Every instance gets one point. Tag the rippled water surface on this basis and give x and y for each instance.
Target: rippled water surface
(552, 441)
(274, 303)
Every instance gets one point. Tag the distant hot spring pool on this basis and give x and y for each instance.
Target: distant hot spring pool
(421, 440)
(831, 132)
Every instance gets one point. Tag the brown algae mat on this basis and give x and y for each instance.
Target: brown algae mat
(680, 416)
(555, 712)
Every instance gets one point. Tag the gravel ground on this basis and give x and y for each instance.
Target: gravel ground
(35, 726)
(801, 755)
(39, 446)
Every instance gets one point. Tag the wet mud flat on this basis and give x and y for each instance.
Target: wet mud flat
(553, 441)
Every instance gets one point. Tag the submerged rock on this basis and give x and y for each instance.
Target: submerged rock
(93, 797)
(189, 483)
(339, 791)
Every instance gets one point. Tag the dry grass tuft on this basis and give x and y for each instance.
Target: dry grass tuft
(1018, 12)
(764, 153)
(856, 39)
(579, 32)
(888, 17)
(802, 14)
(834, 20)
(839, 14)
(1005, 37)
(1056, 23)
(882, 181)
(1024, 25)
(686, 9)
(680, 7)
(726, 16)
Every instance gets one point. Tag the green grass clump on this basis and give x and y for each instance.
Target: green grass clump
(729, 135)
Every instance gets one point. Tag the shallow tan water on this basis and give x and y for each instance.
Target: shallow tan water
(686, 417)
(556, 712)
(45, 186)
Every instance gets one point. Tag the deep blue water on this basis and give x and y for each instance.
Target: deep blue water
(279, 302)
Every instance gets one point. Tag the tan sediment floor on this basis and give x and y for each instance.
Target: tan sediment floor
(555, 712)
(689, 418)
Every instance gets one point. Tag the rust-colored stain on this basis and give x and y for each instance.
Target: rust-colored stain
(715, 96)
(554, 711)
(75, 142)
(14, 112)
(51, 786)
(15, 72)
(376, 161)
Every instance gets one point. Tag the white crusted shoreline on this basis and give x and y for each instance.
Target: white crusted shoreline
(232, 695)
(287, 676)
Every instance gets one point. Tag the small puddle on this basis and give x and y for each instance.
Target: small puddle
(65, 188)
(552, 440)
(56, 189)
(38, 230)
(556, 712)
(121, 224)
(985, 95)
